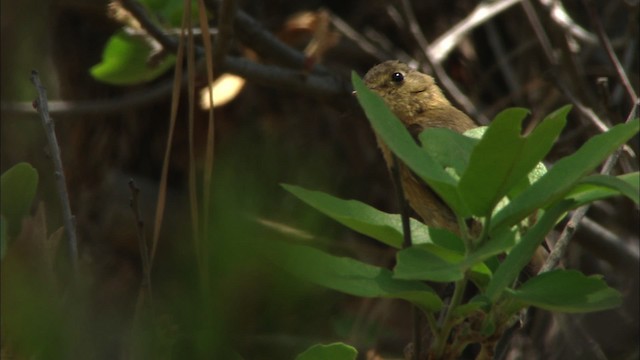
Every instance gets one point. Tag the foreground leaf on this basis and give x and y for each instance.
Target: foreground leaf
(360, 217)
(588, 191)
(448, 148)
(337, 351)
(504, 157)
(353, 277)
(435, 263)
(397, 138)
(18, 187)
(523, 251)
(567, 291)
(565, 174)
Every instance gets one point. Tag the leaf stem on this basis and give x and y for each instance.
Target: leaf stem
(443, 336)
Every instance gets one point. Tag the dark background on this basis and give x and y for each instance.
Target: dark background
(270, 135)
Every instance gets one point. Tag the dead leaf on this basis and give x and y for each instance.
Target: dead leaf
(224, 89)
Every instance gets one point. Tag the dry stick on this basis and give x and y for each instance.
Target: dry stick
(406, 234)
(559, 15)
(609, 246)
(538, 29)
(320, 83)
(80, 107)
(42, 107)
(142, 240)
(162, 191)
(495, 42)
(226, 17)
(442, 46)
(209, 150)
(562, 244)
(447, 82)
(191, 76)
(359, 40)
(604, 40)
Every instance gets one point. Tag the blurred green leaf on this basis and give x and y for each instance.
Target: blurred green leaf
(18, 187)
(125, 61)
(397, 138)
(504, 157)
(564, 175)
(353, 277)
(335, 351)
(567, 291)
(4, 237)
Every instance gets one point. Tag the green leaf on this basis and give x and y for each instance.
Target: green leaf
(523, 251)
(619, 185)
(448, 148)
(421, 263)
(588, 191)
(435, 263)
(564, 175)
(498, 244)
(337, 351)
(384, 227)
(4, 237)
(125, 62)
(353, 277)
(567, 291)
(504, 157)
(397, 138)
(18, 187)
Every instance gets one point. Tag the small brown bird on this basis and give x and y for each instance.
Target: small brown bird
(419, 103)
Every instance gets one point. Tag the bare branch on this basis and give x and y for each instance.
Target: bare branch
(439, 72)
(558, 14)
(142, 240)
(562, 244)
(61, 185)
(226, 17)
(441, 47)
(604, 40)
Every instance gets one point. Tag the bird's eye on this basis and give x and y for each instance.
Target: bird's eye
(397, 77)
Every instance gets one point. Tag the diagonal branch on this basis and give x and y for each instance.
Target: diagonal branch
(49, 128)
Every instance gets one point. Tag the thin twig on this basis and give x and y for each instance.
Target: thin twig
(441, 75)
(226, 16)
(358, 39)
(562, 244)
(191, 98)
(42, 107)
(209, 149)
(162, 191)
(559, 15)
(60, 108)
(540, 32)
(142, 240)
(319, 83)
(604, 40)
(442, 46)
(510, 76)
(608, 246)
(406, 234)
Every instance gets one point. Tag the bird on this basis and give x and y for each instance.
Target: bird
(418, 102)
